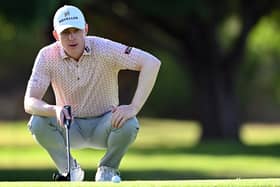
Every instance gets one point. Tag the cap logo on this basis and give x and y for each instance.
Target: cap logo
(66, 14)
(68, 18)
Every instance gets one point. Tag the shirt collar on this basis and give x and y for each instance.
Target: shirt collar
(87, 50)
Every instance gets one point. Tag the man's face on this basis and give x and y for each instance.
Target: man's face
(73, 41)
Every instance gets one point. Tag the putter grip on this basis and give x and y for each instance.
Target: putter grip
(68, 121)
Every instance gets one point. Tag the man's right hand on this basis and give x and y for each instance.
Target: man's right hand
(61, 115)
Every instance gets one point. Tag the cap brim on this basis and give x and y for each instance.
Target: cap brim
(63, 27)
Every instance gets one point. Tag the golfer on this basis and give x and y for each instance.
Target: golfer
(83, 72)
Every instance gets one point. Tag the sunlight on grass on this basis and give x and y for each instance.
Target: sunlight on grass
(260, 134)
(154, 133)
(162, 145)
(210, 165)
(15, 133)
(167, 133)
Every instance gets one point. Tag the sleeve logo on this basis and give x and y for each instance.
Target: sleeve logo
(128, 50)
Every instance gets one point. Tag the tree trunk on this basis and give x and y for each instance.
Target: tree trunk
(216, 101)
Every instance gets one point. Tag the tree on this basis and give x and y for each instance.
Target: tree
(195, 30)
(196, 26)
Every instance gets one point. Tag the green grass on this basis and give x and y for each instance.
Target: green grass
(174, 183)
(164, 150)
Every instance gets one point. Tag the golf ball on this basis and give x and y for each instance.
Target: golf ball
(116, 179)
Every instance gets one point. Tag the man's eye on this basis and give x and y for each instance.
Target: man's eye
(65, 32)
(68, 31)
(75, 30)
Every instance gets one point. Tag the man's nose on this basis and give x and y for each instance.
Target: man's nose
(71, 36)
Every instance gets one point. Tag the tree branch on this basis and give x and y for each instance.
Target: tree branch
(141, 25)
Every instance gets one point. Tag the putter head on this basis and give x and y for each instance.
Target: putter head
(59, 177)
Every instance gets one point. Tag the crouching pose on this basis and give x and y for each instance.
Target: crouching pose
(83, 72)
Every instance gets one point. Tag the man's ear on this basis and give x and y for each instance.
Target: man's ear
(86, 29)
(55, 35)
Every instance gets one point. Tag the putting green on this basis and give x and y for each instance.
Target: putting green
(171, 183)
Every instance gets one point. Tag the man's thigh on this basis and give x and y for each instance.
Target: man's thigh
(91, 132)
(99, 135)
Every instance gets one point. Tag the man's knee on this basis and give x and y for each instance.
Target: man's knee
(131, 127)
(37, 124)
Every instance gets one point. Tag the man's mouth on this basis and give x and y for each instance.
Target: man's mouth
(73, 45)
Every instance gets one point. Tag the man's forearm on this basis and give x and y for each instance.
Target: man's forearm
(146, 81)
(36, 106)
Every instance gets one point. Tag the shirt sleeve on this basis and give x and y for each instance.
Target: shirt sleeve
(40, 76)
(126, 57)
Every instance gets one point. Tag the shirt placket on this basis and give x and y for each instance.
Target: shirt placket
(78, 75)
(79, 68)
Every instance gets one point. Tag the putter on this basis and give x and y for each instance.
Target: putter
(67, 124)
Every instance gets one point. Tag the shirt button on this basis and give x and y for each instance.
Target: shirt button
(78, 78)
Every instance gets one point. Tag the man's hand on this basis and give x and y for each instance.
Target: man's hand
(61, 115)
(122, 113)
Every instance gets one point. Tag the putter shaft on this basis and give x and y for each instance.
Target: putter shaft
(67, 124)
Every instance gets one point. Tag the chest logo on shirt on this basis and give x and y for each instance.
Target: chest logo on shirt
(87, 49)
(128, 50)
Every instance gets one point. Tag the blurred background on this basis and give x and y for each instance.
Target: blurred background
(220, 59)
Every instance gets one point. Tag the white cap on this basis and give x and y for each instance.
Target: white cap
(67, 17)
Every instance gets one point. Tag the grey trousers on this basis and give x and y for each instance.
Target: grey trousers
(95, 133)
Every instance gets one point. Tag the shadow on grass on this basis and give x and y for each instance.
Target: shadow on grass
(46, 175)
(215, 148)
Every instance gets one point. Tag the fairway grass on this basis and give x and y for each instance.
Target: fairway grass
(163, 150)
(169, 183)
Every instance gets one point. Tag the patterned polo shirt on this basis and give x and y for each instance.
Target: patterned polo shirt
(90, 85)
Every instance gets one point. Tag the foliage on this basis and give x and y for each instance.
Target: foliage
(264, 45)
(162, 27)
(261, 70)
(21, 12)
(169, 97)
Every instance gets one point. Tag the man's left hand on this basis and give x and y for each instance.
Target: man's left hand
(122, 113)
